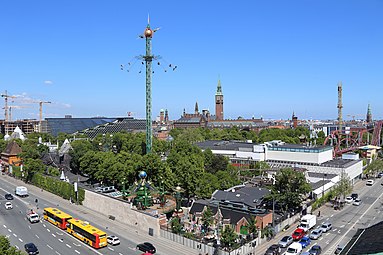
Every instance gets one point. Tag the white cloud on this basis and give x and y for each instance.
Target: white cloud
(48, 82)
(67, 105)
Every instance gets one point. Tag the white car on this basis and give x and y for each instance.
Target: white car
(357, 202)
(370, 182)
(349, 200)
(113, 240)
(316, 233)
(8, 205)
(326, 227)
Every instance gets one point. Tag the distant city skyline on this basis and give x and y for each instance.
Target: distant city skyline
(273, 58)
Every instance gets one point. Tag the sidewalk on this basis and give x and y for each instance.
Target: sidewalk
(132, 233)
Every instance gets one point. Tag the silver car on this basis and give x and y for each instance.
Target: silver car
(285, 241)
(316, 233)
(326, 227)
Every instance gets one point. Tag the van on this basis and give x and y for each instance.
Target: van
(294, 249)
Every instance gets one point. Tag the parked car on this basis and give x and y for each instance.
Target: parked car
(298, 234)
(8, 205)
(339, 249)
(31, 248)
(380, 175)
(354, 195)
(305, 241)
(294, 249)
(326, 227)
(8, 196)
(285, 241)
(370, 182)
(113, 240)
(146, 247)
(273, 250)
(348, 200)
(316, 233)
(357, 202)
(315, 250)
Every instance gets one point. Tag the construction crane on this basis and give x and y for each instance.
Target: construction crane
(6, 96)
(40, 102)
(14, 107)
(354, 115)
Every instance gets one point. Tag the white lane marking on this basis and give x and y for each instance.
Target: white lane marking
(110, 248)
(9, 230)
(37, 236)
(332, 215)
(68, 246)
(49, 247)
(76, 244)
(61, 240)
(58, 233)
(17, 247)
(14, 235)
(53, 235)
(120, 253)
(58, 253)
(21, 240)
(44, 225)
(77, 251)
(48, 230)
(4, 226)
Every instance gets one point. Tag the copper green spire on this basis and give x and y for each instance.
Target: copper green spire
(219, 89)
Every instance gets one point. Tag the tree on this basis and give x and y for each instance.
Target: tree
(176, 225)
(252, 227)
(6, 248)
(228, 237)
(207, 218)
(289, 187)
(343, 187)
(80, 147)
(374, 167)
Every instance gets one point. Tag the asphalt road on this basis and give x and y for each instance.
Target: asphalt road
(346, 221)
(52, 240)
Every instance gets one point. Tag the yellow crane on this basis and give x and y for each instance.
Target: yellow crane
(14, 107)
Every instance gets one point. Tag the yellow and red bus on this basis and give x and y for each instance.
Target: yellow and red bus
(87, 233)
(56, 217)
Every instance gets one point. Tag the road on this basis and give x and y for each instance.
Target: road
(52, 240)
(346, 221)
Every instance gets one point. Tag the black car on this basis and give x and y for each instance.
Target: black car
(354, 195)
(8, 196)
(315, 250)
(31, 248)
(273, 250)
(146, 247)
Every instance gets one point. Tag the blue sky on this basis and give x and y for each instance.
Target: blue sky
(273, 57)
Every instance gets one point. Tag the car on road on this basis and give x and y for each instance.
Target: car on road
(327, 226)
(316, 233)
(285, 241)
(8, 196)
(294, 249)
(380, 175)
(113, 240)
(31, 248)
(354, 195)
(298, 234)
(339, 249)
(348, 200)
(8, 205)
(273, 250)
(315, 250)
(305, 241)
(357, 202)
(370, 182)
(146, 247)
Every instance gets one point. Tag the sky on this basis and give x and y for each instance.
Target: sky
(272, 57)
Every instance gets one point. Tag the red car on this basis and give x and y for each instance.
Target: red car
(298, 234)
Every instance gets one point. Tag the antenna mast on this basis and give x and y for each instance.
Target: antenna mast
(340, 106)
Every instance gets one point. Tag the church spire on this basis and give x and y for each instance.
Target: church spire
(369, 114)
(196, 108)
(219, 89)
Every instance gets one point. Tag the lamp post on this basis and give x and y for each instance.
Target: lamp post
(123, 189)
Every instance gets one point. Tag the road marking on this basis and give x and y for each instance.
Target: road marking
(110, 248)
(37, 236)
(17, 247)
(120, 253)
(332, 215)
(21, 240)
(374, 218)
(53, 235)
(61, 240)
(58, 253)
(75, 244)
(9, 230)
(48, 230)
(58, 233)
(14, 235)
(44, 225)
(68, 246)
(77, 251)
(339, 231)
(4, 226)
(49, 247)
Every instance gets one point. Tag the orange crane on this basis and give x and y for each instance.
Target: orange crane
(6, 96)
